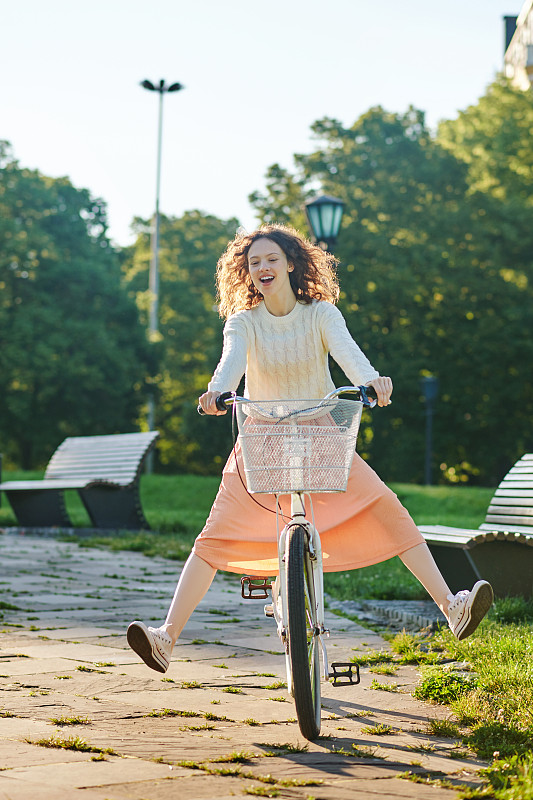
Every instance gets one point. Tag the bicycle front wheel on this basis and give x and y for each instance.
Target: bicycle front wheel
(303, 634)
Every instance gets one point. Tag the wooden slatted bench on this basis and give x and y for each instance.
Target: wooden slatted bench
(501, 550)
(105, 470)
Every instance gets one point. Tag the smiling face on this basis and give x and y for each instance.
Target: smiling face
(269, 271)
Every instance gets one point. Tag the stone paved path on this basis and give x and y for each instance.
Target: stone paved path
(219, 724)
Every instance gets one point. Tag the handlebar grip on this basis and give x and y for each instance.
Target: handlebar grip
(221, 400)
(368, 396)
(220, 403)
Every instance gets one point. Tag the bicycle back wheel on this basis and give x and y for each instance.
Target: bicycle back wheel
(303, 634)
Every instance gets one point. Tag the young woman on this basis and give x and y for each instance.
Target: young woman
(278, 293)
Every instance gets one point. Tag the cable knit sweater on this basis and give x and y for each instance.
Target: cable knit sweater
(286, 358)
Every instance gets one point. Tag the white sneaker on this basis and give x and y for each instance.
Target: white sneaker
(153, 645)
(467, 609)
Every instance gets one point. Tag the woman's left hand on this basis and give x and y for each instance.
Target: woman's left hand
(383, 389)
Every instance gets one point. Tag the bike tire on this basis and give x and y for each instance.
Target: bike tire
(302, 634)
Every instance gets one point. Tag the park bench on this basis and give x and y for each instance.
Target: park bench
(501, 550)
(105, 470)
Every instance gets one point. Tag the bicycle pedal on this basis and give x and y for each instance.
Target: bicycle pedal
(345, 677)
(251, 590)
(269, 610)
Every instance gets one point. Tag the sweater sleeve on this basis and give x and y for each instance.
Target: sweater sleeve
(232, 364)
(343, 348)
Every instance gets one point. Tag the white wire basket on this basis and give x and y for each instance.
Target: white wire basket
(298, 445)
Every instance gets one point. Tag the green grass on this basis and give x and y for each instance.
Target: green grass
(378, 730)
(493, 703)
(462, 506)
(171, 503)
(70, 721)
(491, 696)
(507, 779)
(70, 743)
(499, 706)
(441, 686)
(178, 503)
(406, 649)
(383, 687)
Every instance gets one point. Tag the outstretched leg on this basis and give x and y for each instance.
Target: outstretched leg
(154, 645)
(421, 563)
(465, 610)
(195, 579)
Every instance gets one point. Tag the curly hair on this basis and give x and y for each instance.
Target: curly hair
(313, 276)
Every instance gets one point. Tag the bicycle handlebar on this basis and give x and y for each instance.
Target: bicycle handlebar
(365, 394)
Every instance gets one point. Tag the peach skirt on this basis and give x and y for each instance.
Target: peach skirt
(362, 526)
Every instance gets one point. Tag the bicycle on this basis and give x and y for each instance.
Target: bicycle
(296, 448)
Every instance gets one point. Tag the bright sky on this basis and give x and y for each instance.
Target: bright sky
(256, 76)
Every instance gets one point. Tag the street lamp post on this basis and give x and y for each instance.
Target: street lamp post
(324, 216)
(153, 281)
(430, 388)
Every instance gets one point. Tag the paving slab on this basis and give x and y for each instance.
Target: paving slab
(220, 723)
(12, 789)
(16, 753)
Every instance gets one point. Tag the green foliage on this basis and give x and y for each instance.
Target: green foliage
(384, 669)
(508, 779)
(60, 721)
(493, 137)
(488, 738)
(435, 273)
(512, 609)
(70, 743)
(173, 546)
(384, 687)
(499, 709)
(283, 200)
(441, 686)
(74, 357)
(435, 256)
(445, 728)
(389, 580)
(409, 651)
(406, 649)
(372, 657)
(456, 505)
(503, 660)
(189, 340)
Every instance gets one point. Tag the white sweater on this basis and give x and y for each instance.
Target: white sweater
(286, 358)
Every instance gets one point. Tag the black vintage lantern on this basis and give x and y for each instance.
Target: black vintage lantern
(324, 216)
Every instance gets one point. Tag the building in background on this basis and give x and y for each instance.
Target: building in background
(518, 59)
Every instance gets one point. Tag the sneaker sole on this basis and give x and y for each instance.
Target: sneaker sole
(140, 643)
(480, 605)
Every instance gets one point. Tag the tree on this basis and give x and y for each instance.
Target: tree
(423, 288)
(493, 137)
(74, 357)
(190, 333)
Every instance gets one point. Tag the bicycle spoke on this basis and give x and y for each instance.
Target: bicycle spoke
(311, 650)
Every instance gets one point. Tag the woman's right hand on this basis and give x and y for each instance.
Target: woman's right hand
(208, 403)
